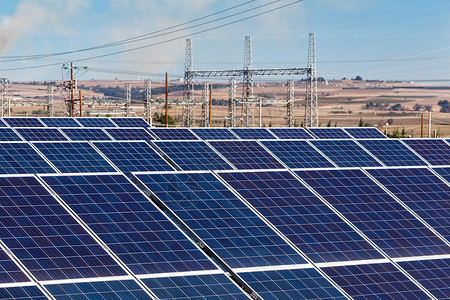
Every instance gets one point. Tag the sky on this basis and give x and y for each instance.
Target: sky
(375, 39)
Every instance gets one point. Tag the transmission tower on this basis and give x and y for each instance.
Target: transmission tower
(188, 85)
(290, 104)
(247, 91)
(205, 106)
(311, 105)
(148, 101)
(4, 91)
(50, 100)
(232, 103)
(128, 99)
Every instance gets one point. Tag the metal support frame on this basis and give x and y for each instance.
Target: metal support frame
(290, 104)
(50, 100)
(232, 103)
(4, 95)
(311, 102)
(247, 90)
(127, 99)
(148, 101)
(188, 86)
(205, 106)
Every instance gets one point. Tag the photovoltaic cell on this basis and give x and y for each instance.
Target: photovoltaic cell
(223, 222)
(45, 238)
(173, 133)
(422, 191)
(434, 275)
(8, 134)
(297, 154)
(214, 133)
(74, 157)
(127, 134)
(302, 217)
(392, 152)
(345, 153)
(60, 122)
(41, 134)
(22, 293)
(21, 158)
(129, 224)
(86, 134)
(435, 151)
(374, 281)
(215, 286)
(23, 122)
(133, 156)
(117, 289)
(95, 122)
(444, 172)
(246, 155)
(253, 133)
(373, 211)
(193, 155)
(130, 122)
(329, 133)
(3, 123)
(365, 133)
(291, 284)
(291, 133)
(9, 271)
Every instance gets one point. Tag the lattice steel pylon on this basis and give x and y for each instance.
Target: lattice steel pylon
(247, 90)
(188, 96)
(50, 100)
(232, 103)
(290, 104)
(127, 99)
(4, 92)
(311, 99)
(148, 101)
(205, 106)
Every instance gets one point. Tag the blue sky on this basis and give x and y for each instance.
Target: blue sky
(376, 39)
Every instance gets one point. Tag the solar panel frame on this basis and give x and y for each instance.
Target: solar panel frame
(3, 123)
(95, 122)
(328, 133)
(178, 133)
(136, 122)
(360, 133)
(129, 133)
(41, 134)
(435, 151)
(442, 172)
(23, 122)
(214, 133)
(59, 122)
(86, 134)
(291, 133)
(7, 134)
(253, 133)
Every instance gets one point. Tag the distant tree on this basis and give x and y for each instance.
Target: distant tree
(361, 122)
(390, 121)
(329, 123)
(396, 107)
(357, 77)
(445, 106)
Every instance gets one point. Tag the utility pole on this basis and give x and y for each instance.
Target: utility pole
(210, 106)
(429, 124)
(205, 97)
(311, 105)
(128, 99)
(50, 100)
(188, 85)
(247, 91)
(232, 103)
(167, 101)
(72, 88)
(4, 94)
(290, 104)
(148, 101)
(81, 103)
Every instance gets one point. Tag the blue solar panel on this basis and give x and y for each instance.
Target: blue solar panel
(329, 133)
(253, 133)
(215, 286)
(23, 122)
(392, 152)
(117, 289)
(214, 133)
(434, 275)
(444, 172)
(345, 153)
(422, 191)
(365, 133)
(45, 238)
(300, 216)
(375, 213)
(129, 224)
(22, 293)
(95, 122)
(291, 284)
(74, 157)
(8, 134)
(375, 281)
(193, 155)
(9, 271)
(130, 122)
(246, 155)
(127, 134)
(60, 122)
(291, 133)
(435, 151)
(2, 123)
(21, 158)
(297, 154)
(41, 134)
(133, 156)
(86, 134)
(173, 133)
(224, 223)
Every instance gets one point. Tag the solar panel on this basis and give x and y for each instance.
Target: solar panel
(45, 238)
(421, 191)
(86, 134)
(3, 123)
(221, 220)
(193, 155)
(21, 158)
(213, 286)
(375, 281)
(41, 134)
(329, 133)
(127, 134)
(22, 293)
(365, 133)
(23, 122)
(95, 122)
(297, 154)
(392, 152)
(291, 133)
(9, 271)
(8, 134)
(214, 133)
(444, 172)
(435, 151)
(133, 156)
(74, 157)
(129, 224)
(302, 217)
(173, 134)
(130, 122)
(253, 133)
(345, 153)
(291, 284)
(117, 289)
(60, 122)
(434, 275)
(246, 154)
(379, 216)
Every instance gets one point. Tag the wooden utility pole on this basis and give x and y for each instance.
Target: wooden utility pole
(167, 101)
(421, 126)
(81, 104)
(429, 124)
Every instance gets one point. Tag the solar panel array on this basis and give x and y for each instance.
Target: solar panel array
(118, 210)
